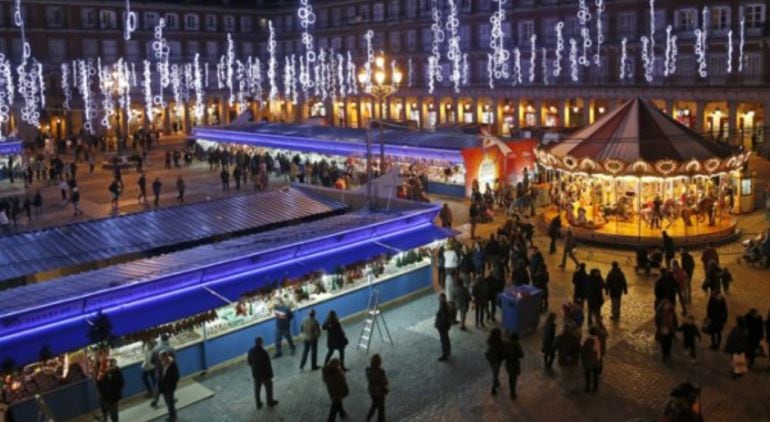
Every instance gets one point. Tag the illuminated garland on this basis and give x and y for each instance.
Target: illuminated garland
(667, 62)
(352, 86)
(229, 70)
(199, 108)
(517, 74)
(532, 57)
(6, 93)
(105, 87)
(65, 85)
(491, 70)
(454, 53)
(466, 69)
(131, 20)
(306, 18)
(410, 73)
(434, 67)
(730, 51)
(600, 8)
(272, 63)
(559, 49)
(573, 60)
(584, 17)
(544, 63)
(341, 75)
(674, 54)
(149, 100)
(500, 56)
(648, 66)
(703, 41)
(87, 71)
(623, 59)
(741, 44)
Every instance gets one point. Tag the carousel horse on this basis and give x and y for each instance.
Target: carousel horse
(670, 211)
(705, 210)
(647, 214)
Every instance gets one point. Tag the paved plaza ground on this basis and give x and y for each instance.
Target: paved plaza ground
(634, 384)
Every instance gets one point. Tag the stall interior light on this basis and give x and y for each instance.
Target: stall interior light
(467, 107)
(486, 107)
(750, 113)
(575, 109)
(552, 109)
(530, 109)
(449, 106)
(601, 110)
(414, 106)
(507, 108)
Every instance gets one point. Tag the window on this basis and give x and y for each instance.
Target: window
(379, 12)
(322, 18)
(172, 21)
(686, 19)
(352, 14)
(246, 25)
(465, 5)
(90, 48)
(16, 47)
(211, 23)
(337, 43)
(193, 48)
(411, 9)
(571, 28)
(484, 35)
(425, 7)
(288, 49)
(150, 20)
(526, 29)
(132, 50)
(248, 49)
(57, 49)
(288, 22)
(549, 27)
(88, 17)
(175, 50)
(350, 42)
(427, 39)
(191, 22)
(363, 12)
(717, 65)
(627, 25)
(411, 40)
(754, 15)
(394, 9)
(686, 66)
(229, 23)
(753, 65)
(337, 16)
(323, 43)
(465, 37)
(108, 19)
(394, 41)
(54, 16)
(212, 50)
(720, 18)
(109, 50)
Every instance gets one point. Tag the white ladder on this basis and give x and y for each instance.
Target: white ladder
(373, 317)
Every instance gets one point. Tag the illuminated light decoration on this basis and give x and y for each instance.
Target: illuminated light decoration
(466, 69)
(199, 107)
(272, 63)
(369, 59)
(229, 70)
(255, 78)
(290, 79)
(149, 100)
(730, 51)
(600, 8)
(544, 63)
(176, 84)
(320, 76)
(122, 76)
(434, 60)
(241, 79)
(559, 49)
(161, 49)
(306, 19)
(454, 54)
(491, 70)
(29, 74)
(341, 75)
(134, 81)
(667, 62)
(351, 75)
(674, 54)
(624, 59)
(87, 71)
(410, 73)
(703, 38)
(700, 54)
(331, 75)
(206, 74)
(573, 60)
(651, 48)
(6, 92)
(584, 17)
(65, 85)
(517, 73)
(105, 87)
(500, 56)
(131, 20)
(741, 44)
(648, 69)
(532, 57)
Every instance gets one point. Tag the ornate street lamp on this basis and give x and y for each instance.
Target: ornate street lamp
(380, 82)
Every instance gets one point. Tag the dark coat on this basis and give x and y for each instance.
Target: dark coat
(568, 348)
(716, 310)
(443, 319)
(588, 356)
(336, 385)
(755, 328)
(111, 385)
(577, 284)
(167, 382)
(480, 292)
(335, 335)
(513, 355)
(594, 291)
(616, 283)
(378, 382)
(549, 336)
(462, 298)
(259, 361)
(737, 341)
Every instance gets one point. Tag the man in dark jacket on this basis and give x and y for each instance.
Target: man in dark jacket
(688, 265)
(169, 377)
(261, 372)
(616, 287)
(443, 323)
(513, 356)
(668, 248)
(283, 317)
(594, 291)
(554, 232)
(110, 387)
(665, 288)
(567, 345)
(578, 281)
(480, 293)
(755, 327)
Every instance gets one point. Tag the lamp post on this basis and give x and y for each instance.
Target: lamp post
(380, 83)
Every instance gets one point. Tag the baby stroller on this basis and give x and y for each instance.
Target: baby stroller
(646, 259)
(753, 252)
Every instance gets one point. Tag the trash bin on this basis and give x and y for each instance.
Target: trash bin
(520, 307)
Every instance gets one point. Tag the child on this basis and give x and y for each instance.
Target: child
(690, 332)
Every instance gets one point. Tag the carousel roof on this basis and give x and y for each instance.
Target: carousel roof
(638, 138)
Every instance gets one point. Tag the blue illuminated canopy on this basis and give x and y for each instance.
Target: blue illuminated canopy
(10, 147)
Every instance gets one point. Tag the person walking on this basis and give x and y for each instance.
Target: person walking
(167, 382)
(283, 317)
(668, 248)
(666, 325)
(594, 291)
(690, 334)
(142, 184)
(462, 298)
(261, 372)
(180, 187)
(335, 338)
(445, 216)
(148, 369)
(688, 265)
(237, 177)
(37, 203)
(75, 199)
(554, 233)
(495, 355)
(163, 347)
(513, 356)
(443, 323)
(378, 388)
(225, 177)
(569, 248)
(110, 386)
(311, 330)
(540, 279)
(337, 387)
(480, 293)
(616, 287)
(709, 255)
(736, 345)
(680, 278)
(590, 357)
(755, 329)
(579, 278)
(716, 312)
(567, 345)
(156, 185)
(549, 337)
(115, 189)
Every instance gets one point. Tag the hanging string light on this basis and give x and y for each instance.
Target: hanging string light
(741, 44)
(306, 19)
(584, 17)
(351, 75)
(544, 63)
(730, 51)
(149, 100)
(532, 57)
(6, 92)
(454, 53)
(651, 49)
(272, 62)
(105, 87)
(434, 60)
(517, 73)
(600, 8)
(466, 69)
(491, 70)
(573, 60)
(341, 75)
(701, 45)
(87, 71)
(559, 49)
(674, 54)
(199, 108)
(667, 61)
(131, 20)
(65, 86)
(623, 59)
(646, 59)
(410, 73)
(500, 56)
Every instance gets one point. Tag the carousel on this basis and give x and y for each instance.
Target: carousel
(636, 172)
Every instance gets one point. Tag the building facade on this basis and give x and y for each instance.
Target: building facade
(727, 105)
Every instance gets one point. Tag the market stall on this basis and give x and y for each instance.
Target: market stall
(637, 172)
(10, 155)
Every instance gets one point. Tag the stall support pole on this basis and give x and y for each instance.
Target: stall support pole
(369, 201)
